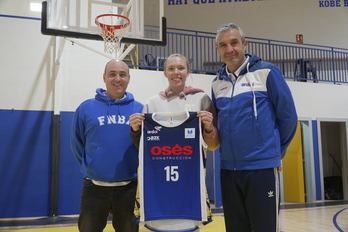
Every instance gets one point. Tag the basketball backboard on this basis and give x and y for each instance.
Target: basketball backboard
(76, 19)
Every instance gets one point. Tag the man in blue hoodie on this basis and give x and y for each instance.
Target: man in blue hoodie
(256, 120)
(101, 144)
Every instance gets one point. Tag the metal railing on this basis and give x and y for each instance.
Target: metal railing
(302, 62)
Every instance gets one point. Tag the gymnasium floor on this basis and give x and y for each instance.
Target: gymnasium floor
(328, 216)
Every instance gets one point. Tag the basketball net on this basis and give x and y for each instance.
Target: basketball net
(112, 27)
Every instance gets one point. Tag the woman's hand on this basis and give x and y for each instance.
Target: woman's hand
(207, 120)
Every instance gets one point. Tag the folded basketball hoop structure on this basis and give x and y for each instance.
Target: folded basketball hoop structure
(112, 27)
(53, 27)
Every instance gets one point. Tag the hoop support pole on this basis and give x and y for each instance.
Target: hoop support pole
(89, 48)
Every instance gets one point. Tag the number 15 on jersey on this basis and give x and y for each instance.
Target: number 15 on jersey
(172, 173)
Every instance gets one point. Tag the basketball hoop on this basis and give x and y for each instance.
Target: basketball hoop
(112, 27)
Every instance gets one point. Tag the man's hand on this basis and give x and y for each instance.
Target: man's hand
(135, 121)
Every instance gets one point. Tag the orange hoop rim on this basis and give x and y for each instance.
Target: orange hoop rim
(112, 27)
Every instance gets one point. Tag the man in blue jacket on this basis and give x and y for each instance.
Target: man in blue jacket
(256, 120)
(101, 144)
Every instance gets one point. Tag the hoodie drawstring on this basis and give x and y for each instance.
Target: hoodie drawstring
(108, 112)
(182, 95)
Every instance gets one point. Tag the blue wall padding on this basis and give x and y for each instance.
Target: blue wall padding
(318, 186)
(25, 149)
(70, 176)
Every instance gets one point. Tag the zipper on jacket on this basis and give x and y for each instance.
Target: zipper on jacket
(233, 80)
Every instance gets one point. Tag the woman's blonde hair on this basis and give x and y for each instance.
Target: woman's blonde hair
(176, 55)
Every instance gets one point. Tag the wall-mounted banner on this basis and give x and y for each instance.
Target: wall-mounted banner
(333, 3)
(321, 3)
(187, 2)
